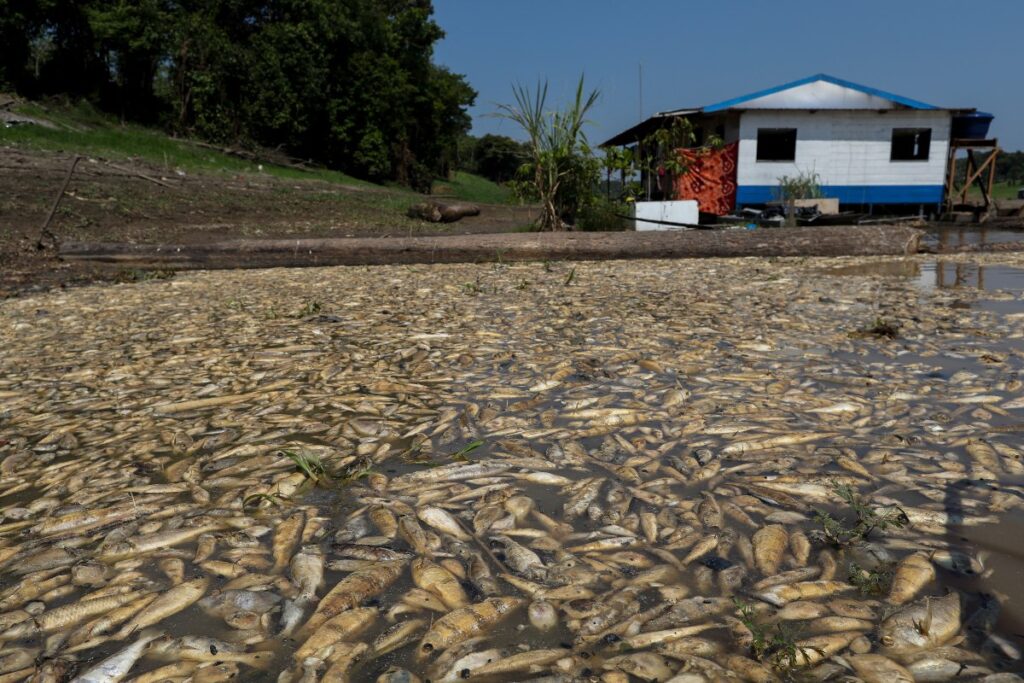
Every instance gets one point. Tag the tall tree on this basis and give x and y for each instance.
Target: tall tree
(349, 83)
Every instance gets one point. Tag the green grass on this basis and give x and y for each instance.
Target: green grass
(83, 130)
(999, 191)
(474, 188)
(1006, 190)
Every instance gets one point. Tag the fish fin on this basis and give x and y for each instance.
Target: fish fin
(926, 626)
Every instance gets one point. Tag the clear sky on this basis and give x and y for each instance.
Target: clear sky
(944, 52)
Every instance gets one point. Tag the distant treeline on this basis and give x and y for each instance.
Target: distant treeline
(495, 157)
(348, 83)
(1009, 167)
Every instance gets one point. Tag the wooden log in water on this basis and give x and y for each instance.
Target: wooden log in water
(573, 246)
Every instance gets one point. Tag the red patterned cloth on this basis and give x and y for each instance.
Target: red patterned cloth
(710, 178)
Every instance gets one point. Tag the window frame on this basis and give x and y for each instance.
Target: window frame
(758, 158)
(910, 130)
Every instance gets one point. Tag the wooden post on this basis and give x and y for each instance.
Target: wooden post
(992, 168)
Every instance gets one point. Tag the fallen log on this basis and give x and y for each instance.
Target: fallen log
(437, 212)
(577, 246)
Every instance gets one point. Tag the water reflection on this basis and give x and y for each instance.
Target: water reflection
(949, 237)
(942, 274)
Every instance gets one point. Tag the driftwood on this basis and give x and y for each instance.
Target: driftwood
(579, 246)
(44, 232)
(270, 157)
(139, 174)
(438, 212)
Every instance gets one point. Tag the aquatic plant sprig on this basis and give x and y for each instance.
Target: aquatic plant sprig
(867, 518)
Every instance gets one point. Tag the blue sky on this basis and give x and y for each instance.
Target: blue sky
(957, 54)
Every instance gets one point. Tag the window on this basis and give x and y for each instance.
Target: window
(776, 144)
(911, 144)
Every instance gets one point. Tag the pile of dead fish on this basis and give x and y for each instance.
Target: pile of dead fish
(667, 471)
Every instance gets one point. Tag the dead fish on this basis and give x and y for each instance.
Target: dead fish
(805, 590)
(173, 601)
(398, 635)
(879, 669)
(531, 660)
(117, 666)
(339, 628)
(646, 666)
(924, 624)
(465, 623)
(521, 559)
(353, 590)
(439, 581)
(770, 543)
(913, 573)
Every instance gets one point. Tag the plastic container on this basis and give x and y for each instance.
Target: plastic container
(972, 126)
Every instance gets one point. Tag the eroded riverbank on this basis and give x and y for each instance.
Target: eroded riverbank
(537, 470)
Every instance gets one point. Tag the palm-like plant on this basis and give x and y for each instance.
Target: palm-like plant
(562, 171)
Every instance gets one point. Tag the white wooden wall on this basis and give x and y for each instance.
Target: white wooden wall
(844, 147)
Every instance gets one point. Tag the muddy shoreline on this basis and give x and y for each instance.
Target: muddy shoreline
(830, 241)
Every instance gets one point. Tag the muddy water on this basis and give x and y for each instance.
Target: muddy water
(756, 386)
(964, 235)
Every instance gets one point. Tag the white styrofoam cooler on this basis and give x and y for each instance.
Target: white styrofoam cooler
(680, 211)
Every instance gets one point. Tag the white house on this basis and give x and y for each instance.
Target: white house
(866, 146)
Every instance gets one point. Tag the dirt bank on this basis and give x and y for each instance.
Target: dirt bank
(137, 202)
(830, 241)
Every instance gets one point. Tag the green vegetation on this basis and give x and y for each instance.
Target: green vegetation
(774, 644)
(462, 455)
(137, 275)
(309, 308)
(354, 471)
(350, 85)
(802, 186)
(561, 172)
(309, 464)
(82, 129)
(1009, 177)
(603, 214)
(881, 327)
(495, 157)
(473, 188)
(256, 499)
(843, 532)
(872, 582)
(1007, 190)
(1009, 169)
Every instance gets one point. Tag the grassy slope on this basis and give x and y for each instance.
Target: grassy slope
(84, 130)
(473, 188)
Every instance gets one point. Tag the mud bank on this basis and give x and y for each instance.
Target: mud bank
(830, 241)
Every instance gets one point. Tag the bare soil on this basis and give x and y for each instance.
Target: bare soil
(134, 203)
(108, 204)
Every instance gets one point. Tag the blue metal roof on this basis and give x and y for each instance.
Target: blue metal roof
(905, 101)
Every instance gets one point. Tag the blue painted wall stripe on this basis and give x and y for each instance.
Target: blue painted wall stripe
(850, 194)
